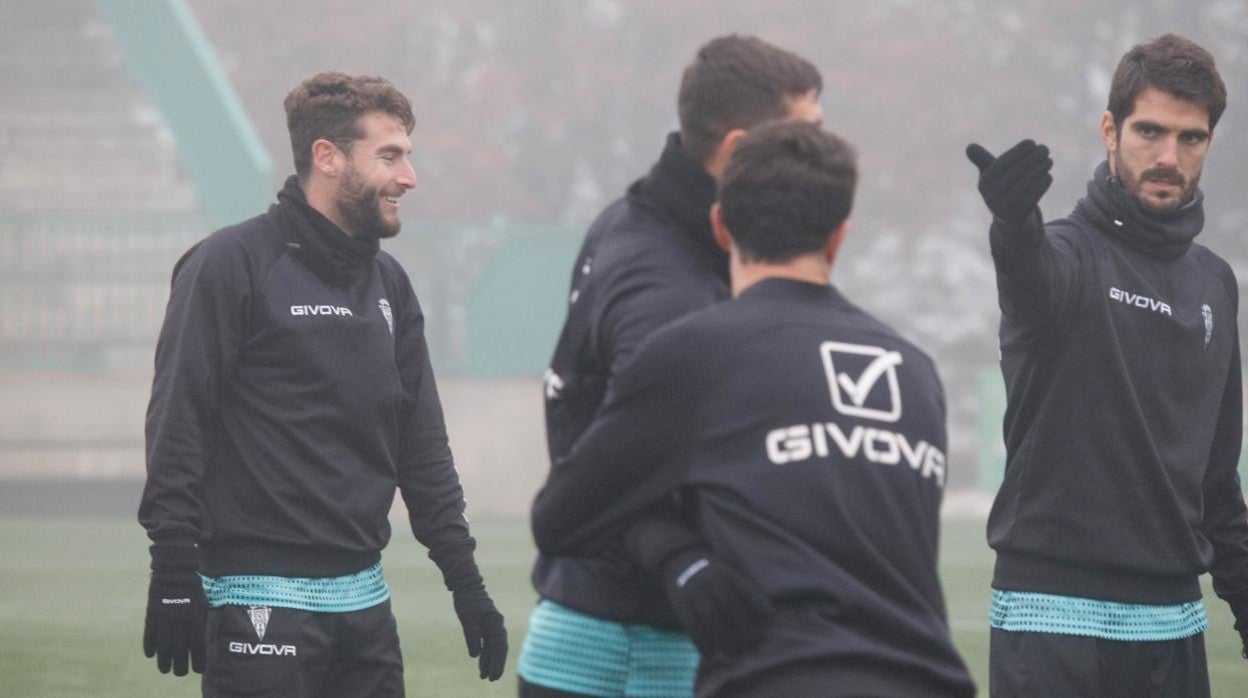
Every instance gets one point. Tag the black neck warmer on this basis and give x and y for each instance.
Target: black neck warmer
(685, 190)
(334, 256)
(1113, 209)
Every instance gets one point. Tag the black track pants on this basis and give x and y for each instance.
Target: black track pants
(1023, 664)
(300, 654)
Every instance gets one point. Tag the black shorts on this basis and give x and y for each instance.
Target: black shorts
(285, 652)
(1048, 664)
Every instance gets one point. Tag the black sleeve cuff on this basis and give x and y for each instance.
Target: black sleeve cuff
(458, 564)
(174, 558)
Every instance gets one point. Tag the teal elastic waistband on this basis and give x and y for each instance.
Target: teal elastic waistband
(352, 592)
(1020, 611)
(570, 651)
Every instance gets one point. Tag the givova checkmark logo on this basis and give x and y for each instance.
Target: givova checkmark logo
(863, 380)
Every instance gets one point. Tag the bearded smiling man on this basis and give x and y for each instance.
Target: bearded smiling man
(369, 200)
(1120, 352)
(293, 394)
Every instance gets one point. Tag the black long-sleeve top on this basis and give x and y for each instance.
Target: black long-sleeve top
(286, 410)
(809, 440)
(1120, 350)
(648, 259)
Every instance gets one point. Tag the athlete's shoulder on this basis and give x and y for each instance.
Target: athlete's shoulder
(391, 269)
(646, 265)
(887, 335)
(233, 248)
(690, 334)
(1076, 229)
(632, 230)
(1218, 267)
(257, 232)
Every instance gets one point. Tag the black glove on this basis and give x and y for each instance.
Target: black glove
(724, 612)
(1239, 607)
(484, 632)
(1013, 184)
(176, 610)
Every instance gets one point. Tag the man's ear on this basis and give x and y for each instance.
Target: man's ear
(327, 158)
(719, 159)
(731, 140)
(835, 238)
(723, 238)
(1109, 135)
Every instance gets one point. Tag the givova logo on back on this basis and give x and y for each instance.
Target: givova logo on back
(854, 372)
(880, 446)
(863, 383)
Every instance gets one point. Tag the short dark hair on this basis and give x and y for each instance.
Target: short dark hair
(787, 186)
(329, 105)
(738, 82)
(1174, 65)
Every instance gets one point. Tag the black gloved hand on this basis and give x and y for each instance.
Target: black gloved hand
(174, 628)
(484, 632)
(483, 629)
(1239, 608)
(724, 612)
(1013, 184)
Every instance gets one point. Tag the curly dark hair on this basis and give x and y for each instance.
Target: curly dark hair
(735, 82)
(329, 105)
(1174, 65)
(787, 186)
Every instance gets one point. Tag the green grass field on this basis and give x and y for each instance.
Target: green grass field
(72, 593)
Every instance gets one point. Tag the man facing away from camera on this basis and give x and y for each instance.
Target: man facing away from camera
(806, 440)
(1120, 351)
(603, 625)
(293, 394)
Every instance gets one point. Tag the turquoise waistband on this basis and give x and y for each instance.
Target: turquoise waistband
(1023, 611)
(570, 651)
(352, 592)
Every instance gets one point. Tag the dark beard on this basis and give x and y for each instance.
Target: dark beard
(1157, 174)
(361, 208)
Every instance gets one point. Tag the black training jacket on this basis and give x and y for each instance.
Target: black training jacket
(648, 259)
(809, 440)
(1122, 430)
(285, 412)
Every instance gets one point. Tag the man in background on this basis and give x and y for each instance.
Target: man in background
(806, 439)
(293, 394)
(1120, 350)
(603, 626)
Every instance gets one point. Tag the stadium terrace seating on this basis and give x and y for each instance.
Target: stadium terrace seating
(94, 207)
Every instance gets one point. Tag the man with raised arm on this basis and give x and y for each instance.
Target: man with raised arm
(1120, 350)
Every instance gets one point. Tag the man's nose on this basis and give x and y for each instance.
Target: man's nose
(407, 177)
(1168, 153)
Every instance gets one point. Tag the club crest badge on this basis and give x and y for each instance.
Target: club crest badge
(1207, 312)
(259, 619)
(385, 312)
